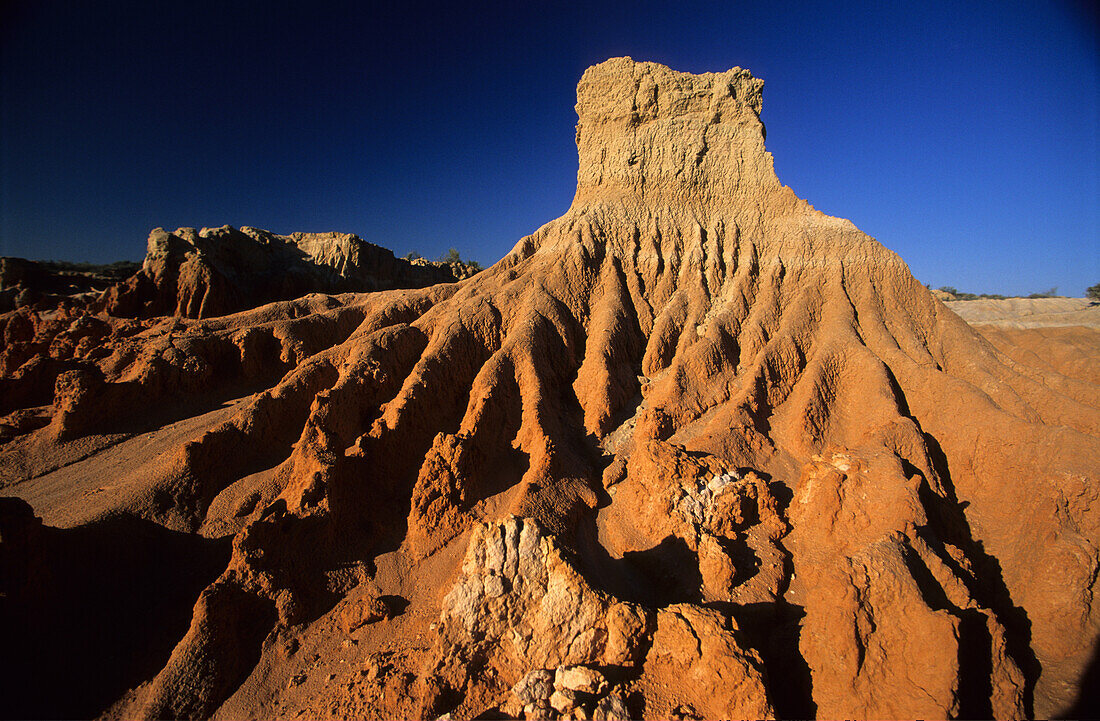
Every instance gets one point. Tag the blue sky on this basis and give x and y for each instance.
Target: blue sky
(962, 135)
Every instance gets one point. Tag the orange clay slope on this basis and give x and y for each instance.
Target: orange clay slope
(693, 449)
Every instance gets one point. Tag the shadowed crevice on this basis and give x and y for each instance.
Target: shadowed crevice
(91, 612)
(974, 641)
(1087, 703)
(947, 522)
(774, 630)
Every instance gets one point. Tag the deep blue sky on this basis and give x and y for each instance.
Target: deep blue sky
(963, 135)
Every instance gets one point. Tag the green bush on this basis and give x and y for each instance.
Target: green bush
(963, 295)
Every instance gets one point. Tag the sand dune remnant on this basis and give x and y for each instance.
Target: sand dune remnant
(692, 450)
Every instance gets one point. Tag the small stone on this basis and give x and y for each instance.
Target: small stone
(563, 700)
(539, 711)
(684, 713)
(611, 708)
(297, 680)
(494, 586)
(535, 686)
(717, 483)
(361, 611)
(581, 679)
(691, 509)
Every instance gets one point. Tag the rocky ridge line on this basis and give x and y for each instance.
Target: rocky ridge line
(211, 272)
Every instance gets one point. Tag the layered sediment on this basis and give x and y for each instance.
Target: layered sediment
(692, 429)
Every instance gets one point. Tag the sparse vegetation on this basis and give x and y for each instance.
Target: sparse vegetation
(961, 295)
(451, 256)
(1093, 293)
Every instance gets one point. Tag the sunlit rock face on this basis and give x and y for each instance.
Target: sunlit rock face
(216, 271)
(692, 450)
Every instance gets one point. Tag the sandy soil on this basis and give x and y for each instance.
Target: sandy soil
(1028, 312)
(111, 477)
(1044, 335)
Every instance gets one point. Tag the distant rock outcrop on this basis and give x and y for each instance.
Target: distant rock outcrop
(216, 271)
(51, 283)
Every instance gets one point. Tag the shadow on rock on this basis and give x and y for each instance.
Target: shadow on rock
(1087, 704)
(89, 613)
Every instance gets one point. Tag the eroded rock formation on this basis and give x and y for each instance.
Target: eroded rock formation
(217, 271)
(692, 450)
(48, 284)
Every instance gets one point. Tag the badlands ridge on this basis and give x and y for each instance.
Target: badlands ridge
(692, 450)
